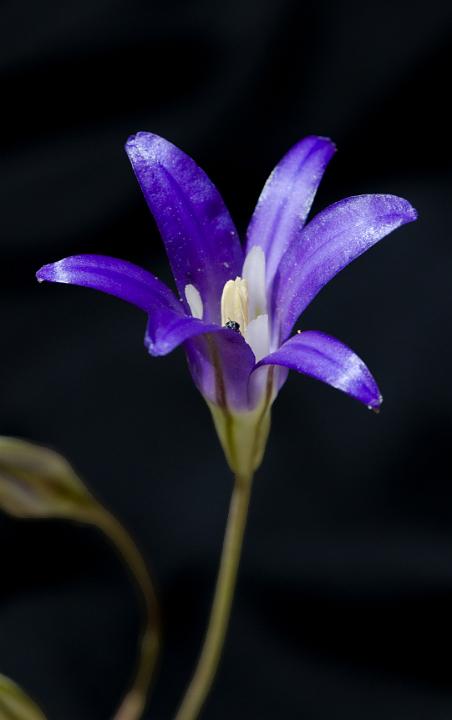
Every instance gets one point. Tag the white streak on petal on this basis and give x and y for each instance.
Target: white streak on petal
(194, 301)
(254, 274)
(257, 336)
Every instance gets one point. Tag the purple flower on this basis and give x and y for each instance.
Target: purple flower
(238, 307)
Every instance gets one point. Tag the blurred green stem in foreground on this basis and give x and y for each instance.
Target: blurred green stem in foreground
(36, 482)
(14, 704)
(134, 703)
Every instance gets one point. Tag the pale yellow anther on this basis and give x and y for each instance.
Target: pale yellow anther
(234, 303)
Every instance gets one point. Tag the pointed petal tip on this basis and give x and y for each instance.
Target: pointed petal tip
(318, 144)
(325, 140)
(158, 349)
(53, 272)
(400, 206)
(131, 140)
(414, 215)
(44, 273)
(143, 144)
(134, 144)
(375, 405)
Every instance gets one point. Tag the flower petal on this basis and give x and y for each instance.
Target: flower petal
(327, 359)
(166, 330)
(286, 199)
(221, 365)
(200, 238)
(334, 238)
(116, 277)
(168, 325)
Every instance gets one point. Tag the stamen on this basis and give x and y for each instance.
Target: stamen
(194, 301)
(234, 303)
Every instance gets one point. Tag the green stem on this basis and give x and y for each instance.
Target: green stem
(207, 666)
(134, 703)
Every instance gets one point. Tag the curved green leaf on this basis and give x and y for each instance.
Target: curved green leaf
(36, 482)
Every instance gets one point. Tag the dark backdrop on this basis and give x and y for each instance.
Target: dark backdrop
(345, 596)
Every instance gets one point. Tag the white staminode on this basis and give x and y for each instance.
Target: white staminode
(244, 302)
(194, 301)
(254, 274)
(257, 335)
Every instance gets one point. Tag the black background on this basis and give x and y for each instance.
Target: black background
(345, 595)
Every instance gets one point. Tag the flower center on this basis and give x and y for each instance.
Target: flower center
(243, 304)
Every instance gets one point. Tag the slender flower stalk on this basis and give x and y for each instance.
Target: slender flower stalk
(222, 603)
(236, 308)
